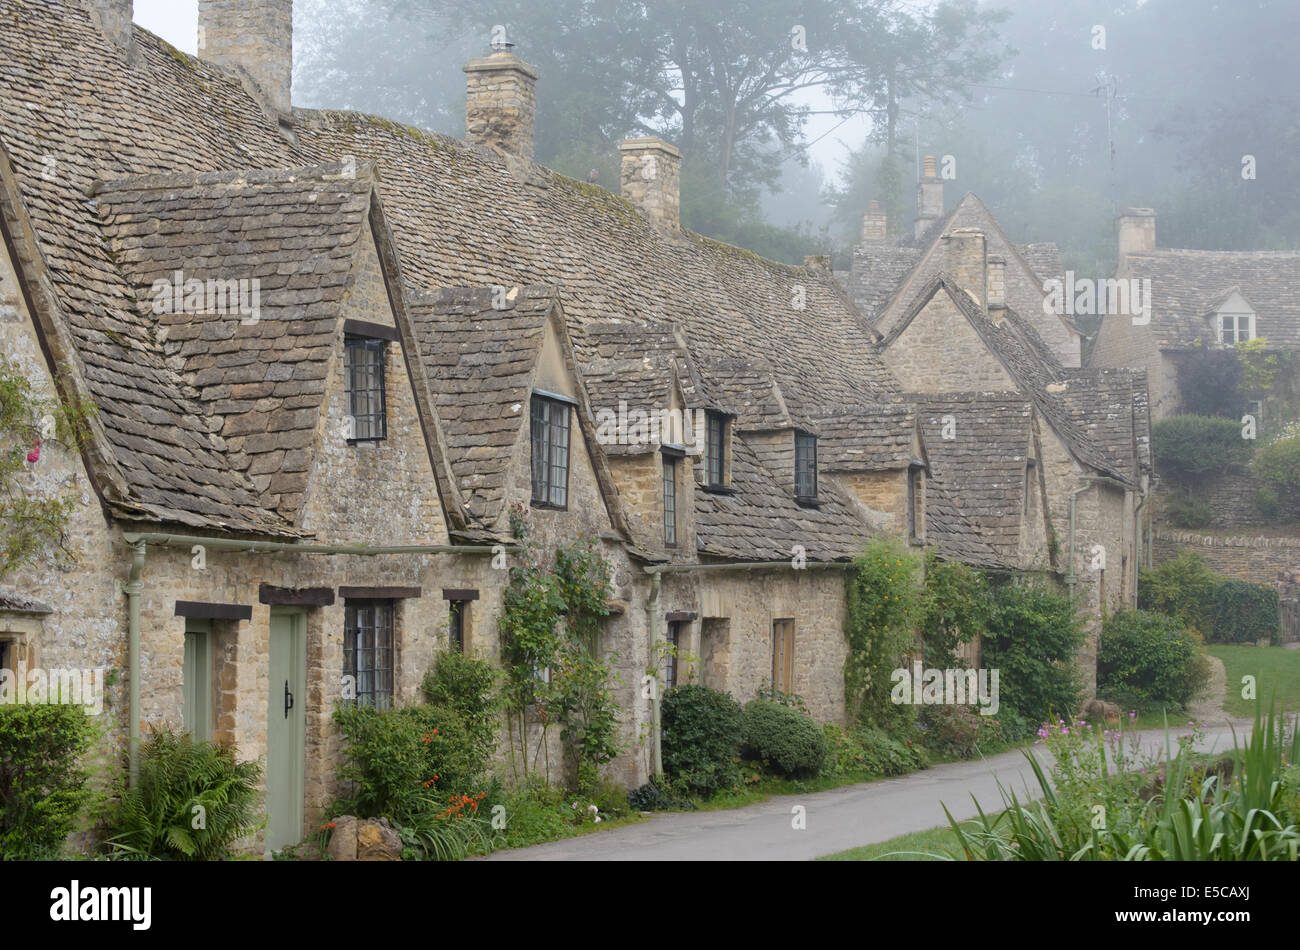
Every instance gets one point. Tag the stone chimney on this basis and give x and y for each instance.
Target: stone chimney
(256, 35)
(874, 224)
(501, 102)
(966, 261)
(1137, 232)
(997, 286)
(114, 19)
(820, 262)
(651, 179)
(929, 197)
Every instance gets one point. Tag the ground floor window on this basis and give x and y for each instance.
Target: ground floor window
(458, 625)
(674, 639)
(368, 651)
(783, 655)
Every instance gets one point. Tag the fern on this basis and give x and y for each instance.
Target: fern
(193, 801)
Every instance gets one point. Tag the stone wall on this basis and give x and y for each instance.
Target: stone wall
(738, 609)
(1258, 560)
(941, 352)
(1232, 498)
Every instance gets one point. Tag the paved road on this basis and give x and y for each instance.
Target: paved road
(836, 820)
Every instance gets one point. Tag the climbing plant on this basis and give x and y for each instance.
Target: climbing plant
(32, 521)
(551, 620)
(883, 605)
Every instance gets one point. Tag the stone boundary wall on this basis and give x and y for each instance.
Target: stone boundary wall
(1243, 557)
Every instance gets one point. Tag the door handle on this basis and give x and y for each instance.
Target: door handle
(288, 699)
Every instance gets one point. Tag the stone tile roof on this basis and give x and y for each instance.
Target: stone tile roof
(953, 536)
(1187, 285)
(11, 600)
(760, 521)
(481, 362)
(1111, 406)
(983, 467)
(259, 378)
(879, 269)
(1035, 371)
(1044, 259)
(73, 111)
(465, 215)
(867, 440)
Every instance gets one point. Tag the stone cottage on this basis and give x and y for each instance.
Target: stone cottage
(331, 355)
(1198, 299)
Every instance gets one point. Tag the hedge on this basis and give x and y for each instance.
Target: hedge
(1188, 448)
(1245, 613)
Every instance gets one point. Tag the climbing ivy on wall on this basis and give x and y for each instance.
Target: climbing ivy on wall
(884, 599)
(552, 617)
(32, 522)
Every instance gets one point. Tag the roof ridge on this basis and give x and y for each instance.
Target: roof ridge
(346, 171)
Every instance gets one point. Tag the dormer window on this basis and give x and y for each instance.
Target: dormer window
(363, 375)
(550, 432)
(715, 449)
(1236, 328)
(805, 467)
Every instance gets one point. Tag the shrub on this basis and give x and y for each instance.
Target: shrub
(1185, 509)
(157, 817)
(1183, 588)
(42, 779)
(1033, 637)
(882, 754)
(659, 794)
(466, 684)
(1245, 613)
(405, 761)
(957, 731)
(1188, 448)
(783, 738)
(1278, 463)
(701, 738)
(1267, 503)
(954, 610)
(1149, 661)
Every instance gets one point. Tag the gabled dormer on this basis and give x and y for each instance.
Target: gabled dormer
(1232, 319)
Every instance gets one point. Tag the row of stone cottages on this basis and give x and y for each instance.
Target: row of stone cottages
(312, 484)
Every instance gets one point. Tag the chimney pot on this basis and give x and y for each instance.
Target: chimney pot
(501, 102)
(256, 35)
(875, 223)
(651, 179)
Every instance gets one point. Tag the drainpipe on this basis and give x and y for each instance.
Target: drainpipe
(1143, 490)
(652, 623)
(133, 589)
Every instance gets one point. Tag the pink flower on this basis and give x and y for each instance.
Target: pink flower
(34, 455)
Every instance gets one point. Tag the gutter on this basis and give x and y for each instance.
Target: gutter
(134, 588)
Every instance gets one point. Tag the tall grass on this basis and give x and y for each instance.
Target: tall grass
(1243, 817)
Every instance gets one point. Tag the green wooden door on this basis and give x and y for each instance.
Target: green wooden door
(285, 731)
